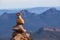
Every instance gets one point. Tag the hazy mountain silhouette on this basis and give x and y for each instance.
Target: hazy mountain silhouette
(33, 22)
(51, 17)
(37, 10)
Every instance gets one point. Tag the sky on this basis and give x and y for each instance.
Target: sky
(21, 4)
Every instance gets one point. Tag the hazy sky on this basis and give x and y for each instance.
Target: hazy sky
(14, 4)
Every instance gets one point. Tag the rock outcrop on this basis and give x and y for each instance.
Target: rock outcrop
(46, 33)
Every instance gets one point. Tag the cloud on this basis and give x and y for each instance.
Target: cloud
(13, 4)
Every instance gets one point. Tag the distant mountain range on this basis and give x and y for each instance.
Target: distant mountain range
(51, 17)
(33, 22)
(37, 10)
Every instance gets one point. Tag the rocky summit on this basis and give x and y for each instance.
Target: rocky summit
(46, 33)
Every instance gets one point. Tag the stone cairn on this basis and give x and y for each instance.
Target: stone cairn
(19, 32)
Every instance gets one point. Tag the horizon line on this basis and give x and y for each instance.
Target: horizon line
(25, 8)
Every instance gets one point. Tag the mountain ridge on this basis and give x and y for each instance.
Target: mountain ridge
(43, 34)
(33, 21)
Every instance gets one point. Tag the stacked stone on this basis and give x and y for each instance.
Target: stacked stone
(19, 32)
